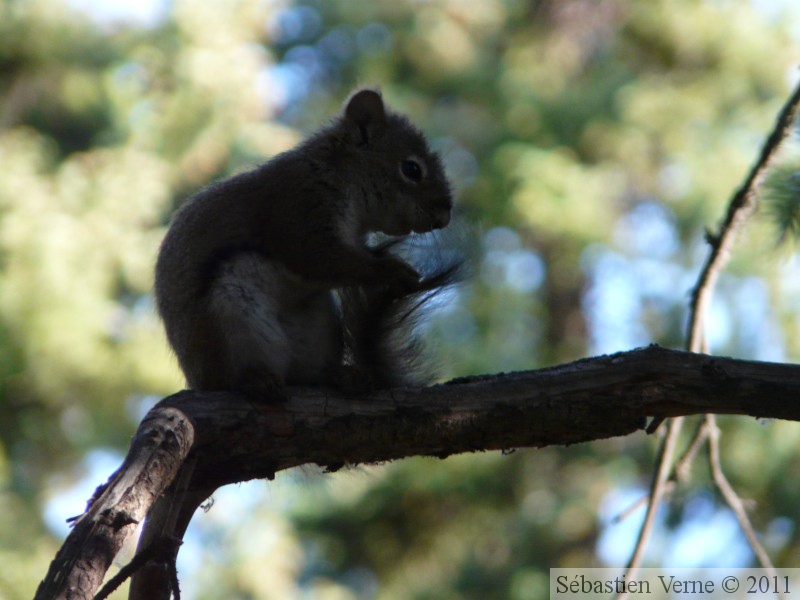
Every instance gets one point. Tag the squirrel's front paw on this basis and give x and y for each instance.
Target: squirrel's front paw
(400, 274)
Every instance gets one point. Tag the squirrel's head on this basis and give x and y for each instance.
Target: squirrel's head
(407, 189)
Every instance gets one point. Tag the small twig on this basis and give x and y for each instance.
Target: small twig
(732, 498)
(743, 204)
(680, 472)
(741, 207)
(161, 550)
(656, 492)
(669, 487)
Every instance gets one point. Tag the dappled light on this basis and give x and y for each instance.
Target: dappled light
(591, 146)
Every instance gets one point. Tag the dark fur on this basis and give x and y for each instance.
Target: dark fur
(247, 272)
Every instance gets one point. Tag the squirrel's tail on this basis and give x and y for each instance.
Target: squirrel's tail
(382, 324)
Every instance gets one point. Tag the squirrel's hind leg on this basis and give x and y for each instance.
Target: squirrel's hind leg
(246, 310)
(275, 328)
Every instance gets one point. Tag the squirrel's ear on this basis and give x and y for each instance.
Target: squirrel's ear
(365, 112)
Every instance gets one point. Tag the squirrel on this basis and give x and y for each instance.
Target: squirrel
(267, 278)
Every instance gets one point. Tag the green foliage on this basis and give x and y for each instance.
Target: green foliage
(782, 200)
(592, 143)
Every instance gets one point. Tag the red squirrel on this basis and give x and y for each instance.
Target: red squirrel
(266, 278)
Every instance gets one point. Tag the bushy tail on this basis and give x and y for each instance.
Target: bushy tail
(382, 323)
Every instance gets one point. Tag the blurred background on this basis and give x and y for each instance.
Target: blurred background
(591, 143)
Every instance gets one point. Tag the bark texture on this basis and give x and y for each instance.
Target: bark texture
(221, 438)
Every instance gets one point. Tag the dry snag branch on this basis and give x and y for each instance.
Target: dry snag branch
(192, 443)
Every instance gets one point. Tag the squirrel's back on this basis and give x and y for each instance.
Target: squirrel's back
(246, 272)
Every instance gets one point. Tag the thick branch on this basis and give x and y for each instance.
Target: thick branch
(234, 440)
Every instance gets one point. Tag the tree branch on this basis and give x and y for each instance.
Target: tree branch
(157, 452)
(741, 206)
(732, 498)
(229, 439)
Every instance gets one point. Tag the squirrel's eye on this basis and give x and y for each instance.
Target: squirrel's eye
(411, 170)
